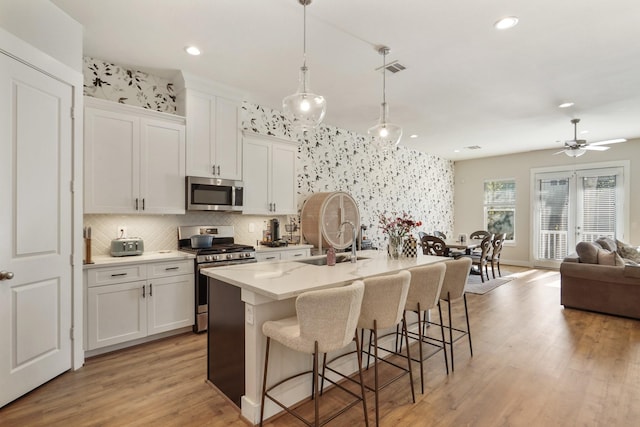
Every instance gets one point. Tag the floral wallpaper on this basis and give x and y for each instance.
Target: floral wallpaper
(329, 159)
(333, 159)
(119, 84)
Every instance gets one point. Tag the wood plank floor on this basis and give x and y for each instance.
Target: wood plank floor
(534, 364)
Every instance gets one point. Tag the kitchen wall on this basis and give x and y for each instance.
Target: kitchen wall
(469, 190)
(329, 159)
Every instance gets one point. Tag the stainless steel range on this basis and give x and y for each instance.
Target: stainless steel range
(223, 251)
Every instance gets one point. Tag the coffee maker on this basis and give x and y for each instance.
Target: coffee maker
(274, 225)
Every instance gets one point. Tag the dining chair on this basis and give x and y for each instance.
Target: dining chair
(479, 234)
(481, 260)
(325, 321)
(455, 279)
(494, 258)
(440, 234)
(432, 245)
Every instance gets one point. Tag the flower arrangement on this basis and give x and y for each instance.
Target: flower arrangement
(397, 225)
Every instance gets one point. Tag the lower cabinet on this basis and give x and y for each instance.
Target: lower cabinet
(282, 254)
(121, 307)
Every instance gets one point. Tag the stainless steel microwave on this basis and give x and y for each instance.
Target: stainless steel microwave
(213, 194)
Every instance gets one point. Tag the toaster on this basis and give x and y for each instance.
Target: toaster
(127, 246)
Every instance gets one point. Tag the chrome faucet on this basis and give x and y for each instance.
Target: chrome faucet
(354, 257)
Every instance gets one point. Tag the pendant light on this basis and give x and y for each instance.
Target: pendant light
(304, 108)
(386, 135)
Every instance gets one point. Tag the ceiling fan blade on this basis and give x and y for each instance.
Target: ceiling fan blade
(595, 148)
(609, 141)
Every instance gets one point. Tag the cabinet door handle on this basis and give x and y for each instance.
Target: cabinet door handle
(298, 255)
(270, 257)
(142, 204)
(218, 169)
(150, 289)
(213, 169)
(119, 274)
(136, 203)
(171, 268)
(143, 291)
(274, 207)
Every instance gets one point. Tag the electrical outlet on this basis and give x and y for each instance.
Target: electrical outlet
(122, 232)
(252, 227)
(248, 315)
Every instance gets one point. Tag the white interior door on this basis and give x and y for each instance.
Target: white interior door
(574, 206)
(35, 225)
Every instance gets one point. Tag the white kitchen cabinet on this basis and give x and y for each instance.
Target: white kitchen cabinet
(285, 253)
(269, 175)
(213, 136)
(214, 143)
(134, 160)
(137, 300)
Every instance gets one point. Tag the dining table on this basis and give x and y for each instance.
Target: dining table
(467, 245)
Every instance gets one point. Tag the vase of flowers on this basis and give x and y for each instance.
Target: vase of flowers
(397, 227)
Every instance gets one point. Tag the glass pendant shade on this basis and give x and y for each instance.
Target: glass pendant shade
(305, 109)
(576, 152)
(386, 135)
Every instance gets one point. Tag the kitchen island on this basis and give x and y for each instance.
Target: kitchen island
(243, 297)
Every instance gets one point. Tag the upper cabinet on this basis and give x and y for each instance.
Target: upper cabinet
(214, 144)
(134, 160)
(269, 175)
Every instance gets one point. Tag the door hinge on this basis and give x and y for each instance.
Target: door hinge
(72, 334)
(71, 260)
(72, 186)
(72, 112)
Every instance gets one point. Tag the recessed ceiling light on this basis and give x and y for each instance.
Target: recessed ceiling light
(456, 151)
(414, 136)
(566, 105)
(192, 50)
(506, 22)
(582, 132)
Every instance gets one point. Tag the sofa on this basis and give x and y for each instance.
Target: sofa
(598, 278)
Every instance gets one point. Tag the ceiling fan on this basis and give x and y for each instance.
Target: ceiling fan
(577, 147)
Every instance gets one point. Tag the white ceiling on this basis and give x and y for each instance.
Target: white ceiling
(465, 84)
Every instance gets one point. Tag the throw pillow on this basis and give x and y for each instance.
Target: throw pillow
(628, 251)
(607, 243)
(588, 252)
(606, 257)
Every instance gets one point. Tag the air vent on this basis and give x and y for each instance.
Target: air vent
(393, 67)
(473, 147)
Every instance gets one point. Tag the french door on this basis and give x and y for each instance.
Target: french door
(575, 205)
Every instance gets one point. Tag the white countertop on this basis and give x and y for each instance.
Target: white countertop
(261, 248)
(287, 279)
(151, 256)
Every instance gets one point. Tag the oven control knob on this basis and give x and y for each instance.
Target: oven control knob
(229, 256)
(247, 255)
(207, 258)
(216, 257)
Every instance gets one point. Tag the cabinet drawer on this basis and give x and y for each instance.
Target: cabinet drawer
(269, 256)
(111, 275)
(170, 268)
(301, 253)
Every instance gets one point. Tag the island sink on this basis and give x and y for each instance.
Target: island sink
(323, 260)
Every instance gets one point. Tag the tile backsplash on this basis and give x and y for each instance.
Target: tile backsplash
(160, 232)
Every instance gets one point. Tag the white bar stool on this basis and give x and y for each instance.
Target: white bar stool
(325, 321)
